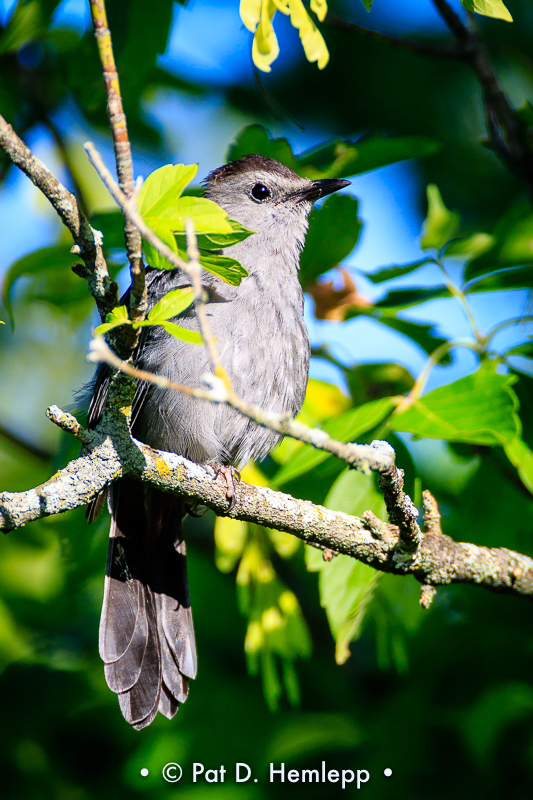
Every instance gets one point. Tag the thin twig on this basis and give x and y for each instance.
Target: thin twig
(195, 273)
(422, 48)
(191, 268)
(130, 210)
(88, 244)
(507, 136)
(376, 457)
(121, 143)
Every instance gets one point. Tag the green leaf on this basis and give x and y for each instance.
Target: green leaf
(338, 159)
(388, 273)
(440, 224)
(398, 299)
(518, 278)
(229, 269)
(186, 335)
(213, 241)
(346, 427)
(334, 159)
(150, 40)
(111, 225)
(333, 233)
(512, 244)
(171, 305)
(256, 139)
(29, 21)
(479, 409)
(473, 246)
(162, 189)
(154, 258)
(119, 316)
(521, 457)
(206, 216)
(347, 586)
(47, 262)
(525, 349)
(367, 4)
(489, 8)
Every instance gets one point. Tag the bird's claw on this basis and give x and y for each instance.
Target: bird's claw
(229, 473)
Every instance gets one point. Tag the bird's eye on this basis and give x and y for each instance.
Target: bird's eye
(260, 192)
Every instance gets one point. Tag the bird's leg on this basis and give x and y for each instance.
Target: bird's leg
(229, 473)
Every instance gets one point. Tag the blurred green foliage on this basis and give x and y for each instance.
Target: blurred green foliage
(360, 676)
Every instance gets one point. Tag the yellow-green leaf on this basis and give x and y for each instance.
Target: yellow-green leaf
(265, 48)
(161, 189)
(521, 457)
(186, 335)
(479, 409)
(489, 8)
(119, 316)
(172, 304)
(250, 11)
(440, 224)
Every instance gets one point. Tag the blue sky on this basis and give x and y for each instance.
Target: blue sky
(209, 43)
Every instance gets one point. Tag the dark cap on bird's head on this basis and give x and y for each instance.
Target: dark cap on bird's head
(241, 187)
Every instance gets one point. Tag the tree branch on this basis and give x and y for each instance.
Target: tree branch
(109, 453)
(507, 136)
(87, 242)
(422, 48)
(123, 159)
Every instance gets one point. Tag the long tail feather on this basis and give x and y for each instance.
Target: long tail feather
(146, 629)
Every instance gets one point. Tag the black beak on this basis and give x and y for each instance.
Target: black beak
(322, 188)
(328, 186)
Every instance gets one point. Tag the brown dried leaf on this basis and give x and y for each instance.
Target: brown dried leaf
(332, 304)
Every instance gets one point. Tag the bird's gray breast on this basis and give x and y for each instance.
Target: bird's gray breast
(264, 347)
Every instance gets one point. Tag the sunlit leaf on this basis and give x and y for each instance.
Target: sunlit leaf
(162, 188)
(118, 316)
(480, 409)
(489, 8)
(346, 585)
(258, 18)
(229, 269)
(172, 304)
(512, 244)
(440, 224)
(472, 246)
(346, 427)
(214, 241)
(521, 457)
(186, 335)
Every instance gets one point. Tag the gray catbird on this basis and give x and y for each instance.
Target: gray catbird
(146, 630)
